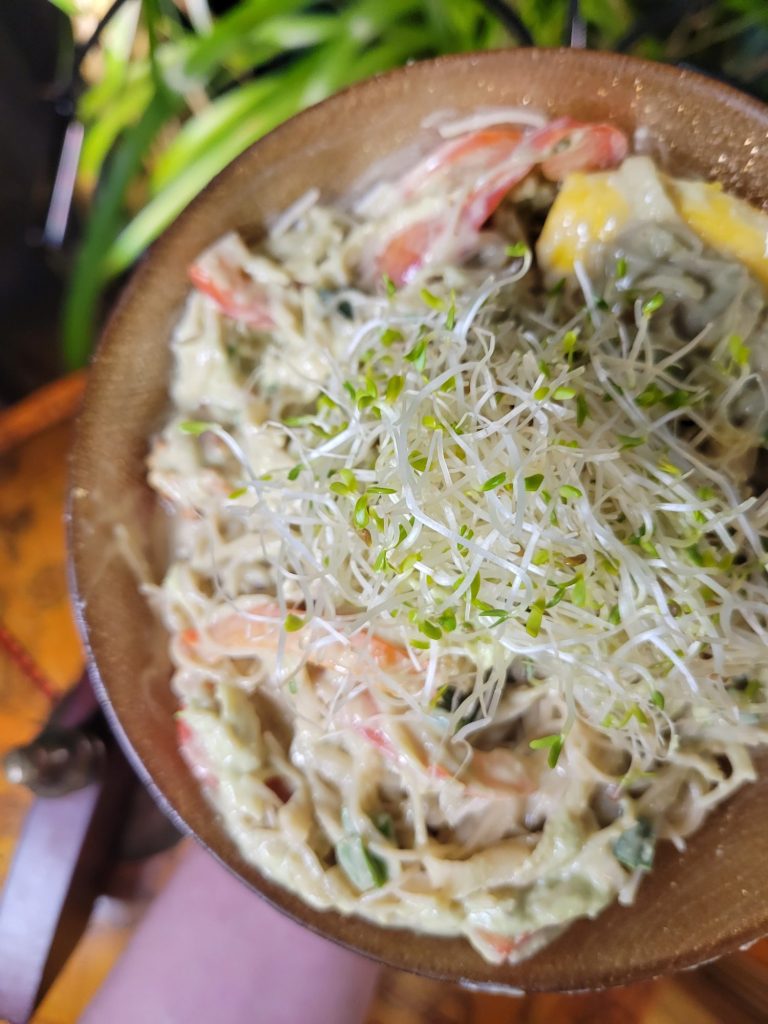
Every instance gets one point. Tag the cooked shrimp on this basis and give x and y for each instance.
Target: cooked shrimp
(221, 274)
(477, 171)
(257, 630)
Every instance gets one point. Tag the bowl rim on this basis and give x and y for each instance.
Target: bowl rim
(677, 77)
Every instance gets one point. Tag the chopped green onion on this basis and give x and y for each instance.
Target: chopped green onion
(364, 869)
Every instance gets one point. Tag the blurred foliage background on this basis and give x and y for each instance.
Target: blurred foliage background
(169, 91)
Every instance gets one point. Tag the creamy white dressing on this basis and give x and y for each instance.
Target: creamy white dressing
(482, 688)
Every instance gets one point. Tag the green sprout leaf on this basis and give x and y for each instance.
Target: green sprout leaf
(553, 743)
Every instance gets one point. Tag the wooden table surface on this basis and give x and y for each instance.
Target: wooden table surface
(35, 613)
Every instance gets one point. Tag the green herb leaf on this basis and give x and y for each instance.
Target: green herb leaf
(636, 846)
(383, 823)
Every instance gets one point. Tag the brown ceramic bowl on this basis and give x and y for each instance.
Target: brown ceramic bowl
(691, 908)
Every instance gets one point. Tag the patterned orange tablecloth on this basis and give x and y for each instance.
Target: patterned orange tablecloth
(35, 613)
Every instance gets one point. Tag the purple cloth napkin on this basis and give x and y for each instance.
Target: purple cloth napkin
(209, 950)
